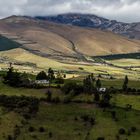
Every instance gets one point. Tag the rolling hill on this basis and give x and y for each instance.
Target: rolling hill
(64, 42)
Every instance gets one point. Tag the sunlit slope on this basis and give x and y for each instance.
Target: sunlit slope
(56, 40)
(21, 55)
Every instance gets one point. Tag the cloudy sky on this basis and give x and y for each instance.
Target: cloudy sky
(121, 10)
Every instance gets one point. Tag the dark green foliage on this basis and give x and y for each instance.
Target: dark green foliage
(113, 113)
(16, 79)
(51, 75)
(133, 129)
(10, 137)
(49, 96)
(72, 87)
(16, 132)
(101, 138)
(98, 83)
(105, 101)
(56, 100)
(41, 76)
(88, 119)
(50, 134)
(23, 105)
(96, 97)
(31, 129)
(122, 131)
(41, 129)
(59, 78)
(125, 84)
(88, 83)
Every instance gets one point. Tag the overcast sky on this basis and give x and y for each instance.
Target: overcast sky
(121, 10)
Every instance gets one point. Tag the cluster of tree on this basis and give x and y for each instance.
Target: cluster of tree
(16, 79)
(90, 84)
(26, 106)
(73, 88)
(50, 76)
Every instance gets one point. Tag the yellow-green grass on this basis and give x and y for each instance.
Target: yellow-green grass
(8, 121)
(60, 121)
(122, 100)
(118, 83)
(126, 62)
(44, 63)
(11, 91)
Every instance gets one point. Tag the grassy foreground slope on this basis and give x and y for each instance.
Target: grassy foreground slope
(59, 123)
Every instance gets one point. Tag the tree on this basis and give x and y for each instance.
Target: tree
(98, 83)
(105, 102)
(13, 78)
(88, 83)
(125, 84)
(59, 78)
(41, 76)
(49, 96)
(51, 75)
(96, 97)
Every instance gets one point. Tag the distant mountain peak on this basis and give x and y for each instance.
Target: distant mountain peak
(130, 30)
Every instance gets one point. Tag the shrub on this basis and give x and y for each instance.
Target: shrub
(50, 134)
(41, 129)
(9, 137)
(133, 129)
(31, 129)
(129, 132)
(56, 100)
(92, 121)
(76, 119)
(122, 131)
(85, 118)
(100, 138)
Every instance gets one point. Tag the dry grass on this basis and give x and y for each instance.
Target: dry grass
(44, 63)
(55, 39)
(126, 62)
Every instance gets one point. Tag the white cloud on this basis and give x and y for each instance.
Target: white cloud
(122, 10)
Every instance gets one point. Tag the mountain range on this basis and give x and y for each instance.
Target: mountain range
(131, 30)
(71, 37)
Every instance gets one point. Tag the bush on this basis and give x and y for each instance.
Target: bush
(50, 135)
(122, 131)
(72, 86)
(31, 129)
(133, 129)
(101, 138)
(129, 132)
(56, 100)
(41, 129)
(9, 137)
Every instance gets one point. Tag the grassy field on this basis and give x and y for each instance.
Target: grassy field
(64, 121)
(121, 100)
(59, 123)
(42, 63)
(125, 62)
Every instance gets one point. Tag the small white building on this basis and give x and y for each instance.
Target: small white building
(42, 82)
(102, 89)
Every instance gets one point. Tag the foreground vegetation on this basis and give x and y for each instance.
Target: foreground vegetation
(68, 108)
